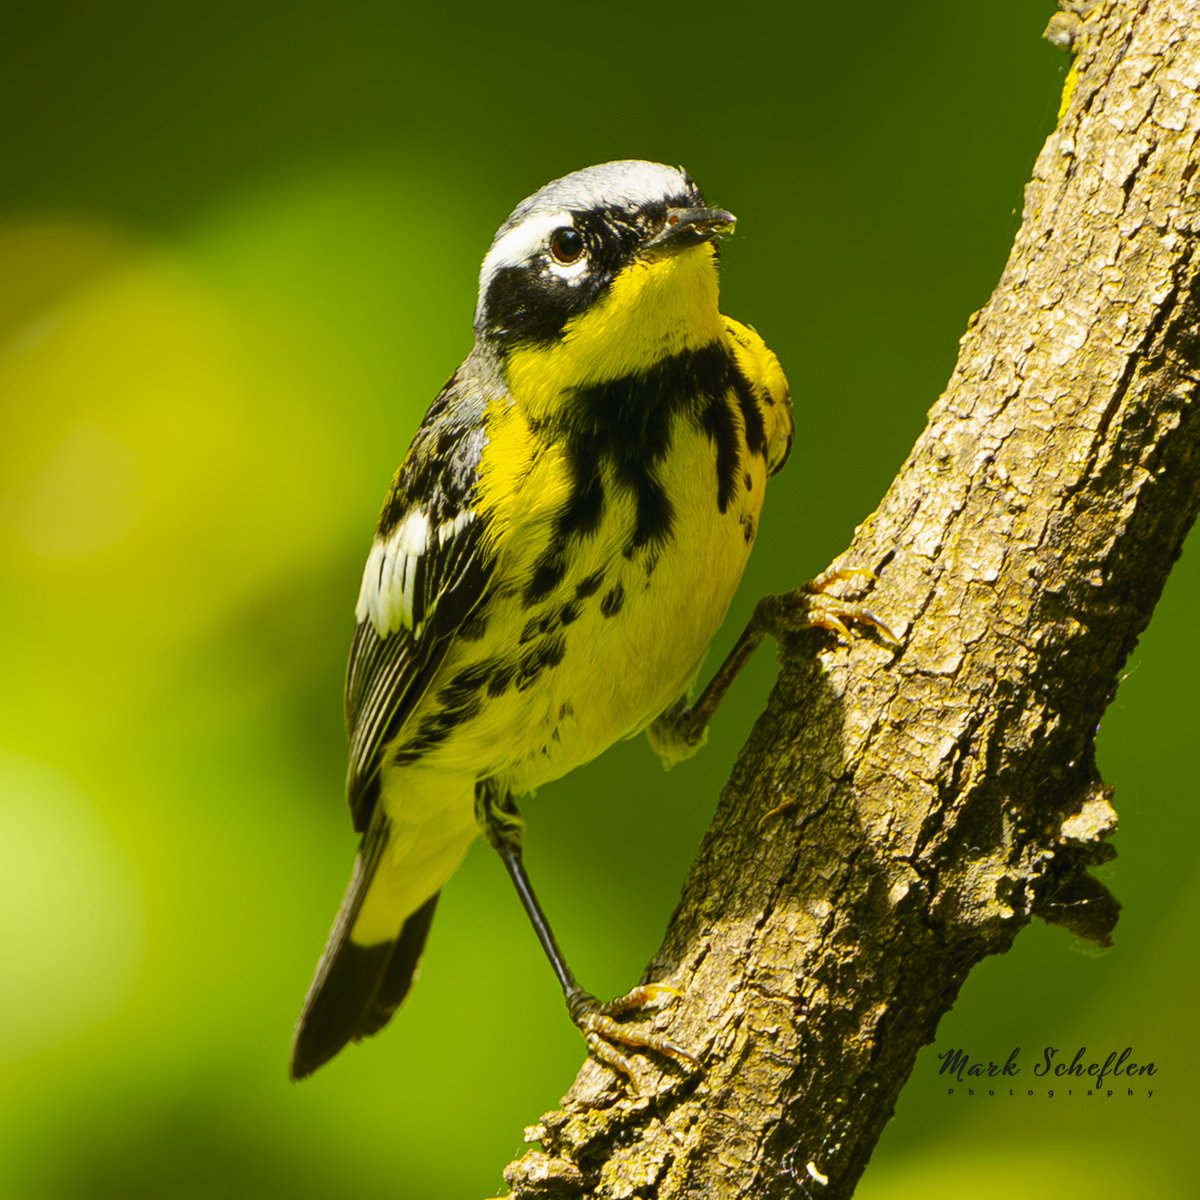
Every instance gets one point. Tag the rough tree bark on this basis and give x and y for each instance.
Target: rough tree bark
(898, 814)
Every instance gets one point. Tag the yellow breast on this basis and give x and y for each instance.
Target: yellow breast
(617, 561)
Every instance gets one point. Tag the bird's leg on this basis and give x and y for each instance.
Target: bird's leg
(595, 1019)
(680, 731)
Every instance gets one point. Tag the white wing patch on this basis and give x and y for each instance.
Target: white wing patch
(390, 577)
(389, 586)
(448, 530)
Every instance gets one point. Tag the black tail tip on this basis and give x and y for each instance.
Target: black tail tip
(341, 1007)
(356, 990)
(303, 1062)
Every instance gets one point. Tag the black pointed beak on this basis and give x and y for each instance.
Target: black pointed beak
(685, 227)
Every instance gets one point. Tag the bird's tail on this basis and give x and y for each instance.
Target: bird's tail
(357, 987)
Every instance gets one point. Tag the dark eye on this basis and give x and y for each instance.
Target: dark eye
(566, 245)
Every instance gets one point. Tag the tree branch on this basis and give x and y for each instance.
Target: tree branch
(897, 815)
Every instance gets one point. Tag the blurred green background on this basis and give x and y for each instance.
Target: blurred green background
(238, 249)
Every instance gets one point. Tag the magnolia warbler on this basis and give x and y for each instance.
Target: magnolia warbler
(556, 553)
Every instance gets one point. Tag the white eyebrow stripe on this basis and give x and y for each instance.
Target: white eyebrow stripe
(518, 245)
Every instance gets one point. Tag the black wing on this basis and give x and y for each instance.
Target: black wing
(426, 573)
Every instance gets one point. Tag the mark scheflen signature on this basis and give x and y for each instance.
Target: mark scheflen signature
(1052, 1064)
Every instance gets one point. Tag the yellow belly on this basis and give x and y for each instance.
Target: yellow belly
(617, 640)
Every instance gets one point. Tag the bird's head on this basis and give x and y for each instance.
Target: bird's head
(602, 273)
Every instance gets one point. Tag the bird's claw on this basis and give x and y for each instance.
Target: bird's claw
(604, 1034)
(810, 607)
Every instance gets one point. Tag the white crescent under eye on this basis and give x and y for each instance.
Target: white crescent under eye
(569, 271)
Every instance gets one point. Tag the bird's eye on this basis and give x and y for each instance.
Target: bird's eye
(566, 245)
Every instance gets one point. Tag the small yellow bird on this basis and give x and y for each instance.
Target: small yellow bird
(557, 551)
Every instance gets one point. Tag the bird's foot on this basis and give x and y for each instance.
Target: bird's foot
(811, 607)
(604, 1035)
